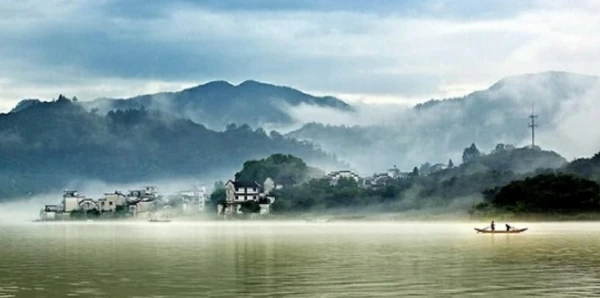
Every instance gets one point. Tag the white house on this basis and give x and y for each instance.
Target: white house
(238, 192)
(72, 200)
(334, 177)
(394, 172)
(194, 199)
(110, 201)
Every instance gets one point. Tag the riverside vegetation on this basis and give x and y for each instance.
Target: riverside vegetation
(517, 181)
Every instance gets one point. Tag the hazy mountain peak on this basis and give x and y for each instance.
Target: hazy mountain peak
(25, 104)
(212, 86)
(253, 82)
(219, 83)
(439, 129)
(552, 80)
(219, 103)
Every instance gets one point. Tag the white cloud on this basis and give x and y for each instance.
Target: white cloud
(66, 46)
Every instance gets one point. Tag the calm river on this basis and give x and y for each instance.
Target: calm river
(295, 259)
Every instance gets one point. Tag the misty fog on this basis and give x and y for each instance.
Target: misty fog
(408, 136)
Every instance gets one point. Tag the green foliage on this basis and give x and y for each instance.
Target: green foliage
(46, 145)
(121, 211)
(415, 172)
(318, 194)
(485, 175)
(78, 214)
(284, 169)
(470, 154)
(548, 192)
(218, 196)
(250, 207)
(585, 167)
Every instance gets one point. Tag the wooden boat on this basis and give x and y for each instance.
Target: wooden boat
(159, 220)
(515, 231)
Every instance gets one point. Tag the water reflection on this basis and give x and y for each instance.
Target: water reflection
(296, 260)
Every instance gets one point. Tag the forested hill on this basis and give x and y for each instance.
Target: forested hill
(216, 104)
(46, 145)
(451, 188)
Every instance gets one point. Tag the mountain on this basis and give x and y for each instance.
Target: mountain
(24, 104)
(49, 145)
(439, 129)
(585, 167)
(219, 103)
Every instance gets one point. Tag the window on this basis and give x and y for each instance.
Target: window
(110, 203)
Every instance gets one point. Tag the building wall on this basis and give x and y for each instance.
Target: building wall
(241, 197)
(248, 190)
(71, 204)
(109, 203)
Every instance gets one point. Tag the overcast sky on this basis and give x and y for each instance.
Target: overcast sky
(376, 51)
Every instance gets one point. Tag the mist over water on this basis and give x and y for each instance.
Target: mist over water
(27, 209)
(296, 259)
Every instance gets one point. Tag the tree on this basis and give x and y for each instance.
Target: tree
(548, 192)
(250, 207)
(283, 169)
(470, 154)
(218, 195)
(415, 172)
(499, 148)
(425, 168)
(62, 98)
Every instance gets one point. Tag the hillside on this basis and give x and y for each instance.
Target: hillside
(47, 145)
(585, 167)
(219, 103)
(437, 130)
(455, 187)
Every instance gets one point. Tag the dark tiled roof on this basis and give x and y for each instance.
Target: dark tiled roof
(245, 184)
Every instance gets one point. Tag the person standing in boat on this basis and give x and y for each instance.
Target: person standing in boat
(508, 227)
(492, 226)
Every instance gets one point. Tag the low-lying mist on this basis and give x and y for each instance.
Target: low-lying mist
(27, 209)
(375, 137)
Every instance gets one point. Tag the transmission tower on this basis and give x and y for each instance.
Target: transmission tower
(532, 125)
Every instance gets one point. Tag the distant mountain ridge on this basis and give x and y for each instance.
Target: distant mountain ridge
(432, 131)
(219, 103)
(557, 84)
(439, 129)
(47, 145)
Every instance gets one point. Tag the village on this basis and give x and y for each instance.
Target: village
(242, 198)
(142, 203)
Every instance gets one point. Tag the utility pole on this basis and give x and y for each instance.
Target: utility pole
(532, 125)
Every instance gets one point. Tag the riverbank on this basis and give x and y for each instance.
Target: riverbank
(539, 217)
(412, 215)
(430, 215)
